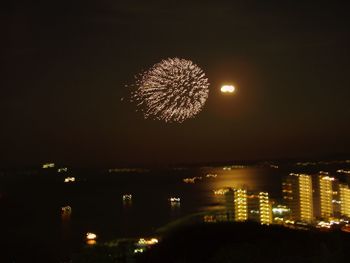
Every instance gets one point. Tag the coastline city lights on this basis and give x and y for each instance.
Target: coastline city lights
(316, 201)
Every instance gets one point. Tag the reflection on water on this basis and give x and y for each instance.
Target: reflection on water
(235, 178)
(91, 242)
(213, 188)
(175, 206)
(66, 212)
(103, 204)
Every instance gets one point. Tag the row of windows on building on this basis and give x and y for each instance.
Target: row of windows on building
(316, 197)
(306, 198)
(243, 206)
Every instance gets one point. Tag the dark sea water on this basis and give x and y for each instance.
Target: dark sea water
(32, 222)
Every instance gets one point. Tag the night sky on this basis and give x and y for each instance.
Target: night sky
(65, 64)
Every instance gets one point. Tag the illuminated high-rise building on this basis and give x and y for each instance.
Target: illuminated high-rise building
(344, 193)
(240, 201)
(236, 205)
(297, 193)
(265, 208)
(259, 208)
(305, 195)
(323, 196)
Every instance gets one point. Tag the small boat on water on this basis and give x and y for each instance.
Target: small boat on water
(66, 209)
(175, 199)
(127, 197)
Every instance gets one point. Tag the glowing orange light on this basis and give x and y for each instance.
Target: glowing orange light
(91, 242)
(228, 89)
(91, 236)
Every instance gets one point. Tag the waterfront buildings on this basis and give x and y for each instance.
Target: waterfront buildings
(297, 194)
(265, 208)
(308, 200)
(344, 193)
(242, 206)
(259, 208)
(316, 198)
(324, 196)
(240, 200)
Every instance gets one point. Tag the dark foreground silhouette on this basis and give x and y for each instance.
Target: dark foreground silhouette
(248, 242)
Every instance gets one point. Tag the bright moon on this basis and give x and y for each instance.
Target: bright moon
(227, 89)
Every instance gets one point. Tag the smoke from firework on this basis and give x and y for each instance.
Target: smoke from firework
(172, 90)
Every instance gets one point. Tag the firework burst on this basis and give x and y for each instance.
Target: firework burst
(172, 90)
